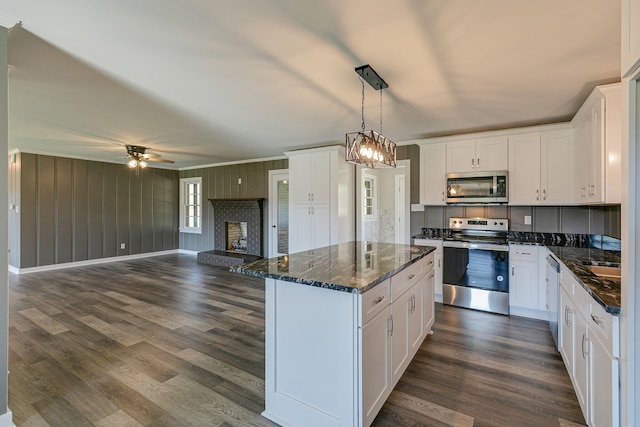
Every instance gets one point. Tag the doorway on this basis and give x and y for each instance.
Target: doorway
(278, 212)
(382, 204)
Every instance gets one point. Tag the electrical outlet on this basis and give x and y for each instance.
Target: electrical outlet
(527, 220)
(239, 180)
(123, 245)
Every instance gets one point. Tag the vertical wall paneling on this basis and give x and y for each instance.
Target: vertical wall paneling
(135, 214)
(146, 180)
(95, 209)
(123, 209)
(158, 208)
(46, 221)
(80, 210)
(109, 209)
(15, 170)
(63, 209)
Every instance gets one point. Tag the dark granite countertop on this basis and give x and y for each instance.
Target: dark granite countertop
(606, 292)
(349, 267)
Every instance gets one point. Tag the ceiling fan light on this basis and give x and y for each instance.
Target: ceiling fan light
(132, 163)
(143, 164)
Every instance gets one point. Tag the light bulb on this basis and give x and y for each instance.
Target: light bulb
(132, 163)
(143, 164)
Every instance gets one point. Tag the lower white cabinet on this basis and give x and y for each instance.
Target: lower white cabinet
(525, 296)
(332, 357)
(437, 264)
(589, 345)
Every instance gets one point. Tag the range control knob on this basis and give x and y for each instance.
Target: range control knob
(495, 223)
(502, 223)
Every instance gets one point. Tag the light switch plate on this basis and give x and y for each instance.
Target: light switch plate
(527, 220)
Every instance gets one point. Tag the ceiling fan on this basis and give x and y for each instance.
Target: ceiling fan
(139, 158)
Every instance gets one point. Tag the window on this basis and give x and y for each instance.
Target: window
(190, 205)
(369, 197)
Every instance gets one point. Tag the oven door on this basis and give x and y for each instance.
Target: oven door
(476, 275)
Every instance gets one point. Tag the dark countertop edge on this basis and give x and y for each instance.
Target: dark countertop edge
(324, 285)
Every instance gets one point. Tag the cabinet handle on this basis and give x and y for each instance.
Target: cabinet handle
(478, 163)
(584, 354)
(413, 303)
(443, 196)
(544, 194)
(537, 194)
(391, 322)
(513, 270)
(411, 276)
(567, 313)
(472, 164)
(438, 262)
(431, 275)
(378, 300)
(598, 320)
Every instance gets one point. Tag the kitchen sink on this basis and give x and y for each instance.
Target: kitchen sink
(611, 273)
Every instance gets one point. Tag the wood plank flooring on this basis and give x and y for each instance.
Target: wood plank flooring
(164, 341)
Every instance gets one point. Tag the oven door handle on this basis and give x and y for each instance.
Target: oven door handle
(473, 245)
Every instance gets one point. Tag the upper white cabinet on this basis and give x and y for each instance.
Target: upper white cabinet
(630, 37)
(433, 171)
(541, 168)
(321, 198)
(598, 147)
(477, 155)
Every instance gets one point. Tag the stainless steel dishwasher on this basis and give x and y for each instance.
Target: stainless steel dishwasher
(553, 295)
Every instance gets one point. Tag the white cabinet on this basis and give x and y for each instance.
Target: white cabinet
(433, 183)
(476, 155)
(598, 147)
(375, 342)
(590, 347)
(630, 37)
(541, 168)
(524, 283)
(321, 198)
(437, 264)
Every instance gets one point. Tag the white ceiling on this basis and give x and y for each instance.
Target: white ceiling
(207, 81)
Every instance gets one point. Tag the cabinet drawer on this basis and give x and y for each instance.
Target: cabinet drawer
(567, 281)
(582, 299)
(523, 253)
(408, 277)
(606, 327)
(374, 301)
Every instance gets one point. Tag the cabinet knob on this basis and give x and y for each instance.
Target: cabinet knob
(411, 276)
(378, 300)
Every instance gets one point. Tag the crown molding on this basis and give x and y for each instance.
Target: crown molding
(7, 21)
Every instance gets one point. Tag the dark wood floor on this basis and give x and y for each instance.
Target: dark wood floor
(166, 342)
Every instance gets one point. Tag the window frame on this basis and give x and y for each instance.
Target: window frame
(373, 197)
(184, 183)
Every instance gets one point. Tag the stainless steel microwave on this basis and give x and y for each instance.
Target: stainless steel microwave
(478, 187)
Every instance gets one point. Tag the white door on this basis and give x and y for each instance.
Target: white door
(278, 212)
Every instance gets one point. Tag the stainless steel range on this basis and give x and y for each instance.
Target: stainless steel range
(476, 264)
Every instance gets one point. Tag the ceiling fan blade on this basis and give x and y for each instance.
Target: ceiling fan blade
(158, 160)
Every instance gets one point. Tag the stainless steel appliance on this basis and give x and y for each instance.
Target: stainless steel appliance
(478, 187)
(553, 295)
(475, 271)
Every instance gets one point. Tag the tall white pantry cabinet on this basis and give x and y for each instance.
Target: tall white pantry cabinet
(321, 195)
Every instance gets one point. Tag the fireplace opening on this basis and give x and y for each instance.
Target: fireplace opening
(236, 236)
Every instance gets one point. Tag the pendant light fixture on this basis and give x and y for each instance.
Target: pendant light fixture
(369, 148)
(137, 161)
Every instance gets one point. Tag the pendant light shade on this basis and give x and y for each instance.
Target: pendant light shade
(369, 148)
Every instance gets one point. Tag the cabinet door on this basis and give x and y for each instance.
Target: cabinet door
(416, 317)
(428, 306)
(433, 171)
(492, 154)
(604, 386)
(630, 36)
(300, 178)
(320, 177)
(437, 269)
(461, 156)
(523, 286)
(557, 170)
(524, 169)
(400, 335)
(596, 149)
(581, 363)
(375, 373)
(566, 330)
(300, 228)
(321, 217)
(582, 156)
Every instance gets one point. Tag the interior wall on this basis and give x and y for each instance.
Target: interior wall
(239, 181)
(75, 210)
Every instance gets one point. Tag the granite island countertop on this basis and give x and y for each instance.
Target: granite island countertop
(349, 267)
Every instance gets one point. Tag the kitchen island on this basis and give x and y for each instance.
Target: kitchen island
(342, 324)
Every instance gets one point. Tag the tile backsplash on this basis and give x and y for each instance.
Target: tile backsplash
(603, 220)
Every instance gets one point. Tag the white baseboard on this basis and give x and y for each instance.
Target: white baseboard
(6, 420)
(528, 312)
(50, 267)
(188, 252)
